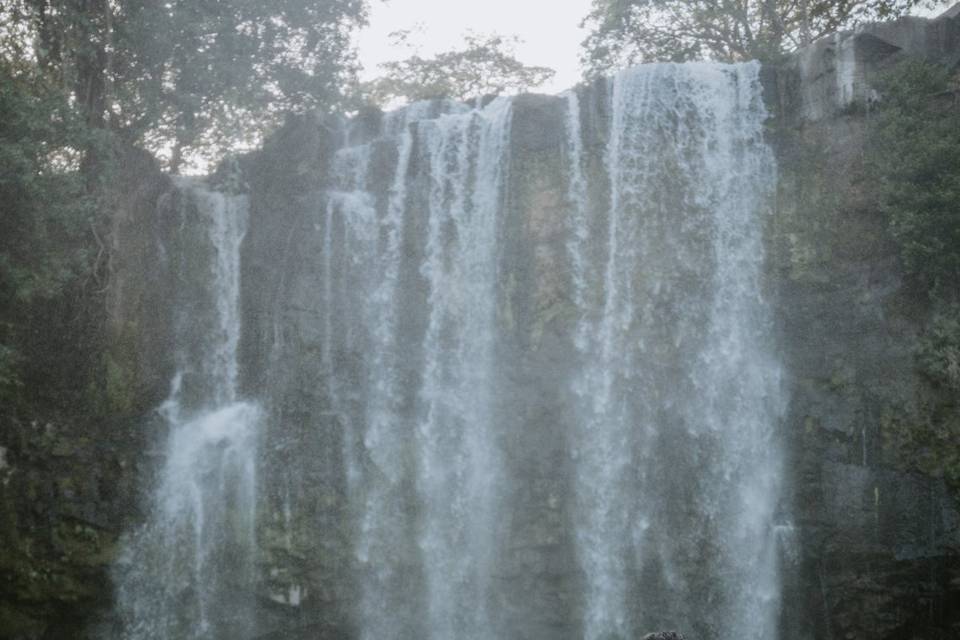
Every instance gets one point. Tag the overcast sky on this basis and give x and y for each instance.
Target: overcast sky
(549, 28)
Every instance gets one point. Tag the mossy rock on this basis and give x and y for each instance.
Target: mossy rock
(14, 623)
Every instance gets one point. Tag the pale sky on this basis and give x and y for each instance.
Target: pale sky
(549, 28)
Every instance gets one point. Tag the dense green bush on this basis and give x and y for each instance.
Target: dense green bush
(915, 156)
(47, 247)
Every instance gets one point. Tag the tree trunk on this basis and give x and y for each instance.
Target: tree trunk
(805, 30)
(92, 24)
(49, 45)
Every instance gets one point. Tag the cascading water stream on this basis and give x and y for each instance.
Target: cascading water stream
(401, 322)
(440, 421)
(677, 463)
(185, 570)
(458, 459)
(369, 265)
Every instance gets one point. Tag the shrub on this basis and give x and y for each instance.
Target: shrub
(915, 158)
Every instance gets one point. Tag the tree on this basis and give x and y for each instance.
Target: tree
(486, 65)
(188, 76)
(45, 246)
(626, 32)
(78, 78)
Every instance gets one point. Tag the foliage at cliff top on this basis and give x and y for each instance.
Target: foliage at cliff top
(186, 76)
(45, 223)
(626, 32)
(485, 65)
(915, 159)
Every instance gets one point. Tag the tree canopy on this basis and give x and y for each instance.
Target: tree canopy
(626, 32)
(184, 76)
(487, 64)
(79, 78)
(45, 222)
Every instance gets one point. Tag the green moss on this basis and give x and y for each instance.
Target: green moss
(64, 447)
(926, 439)
(549, 313)
(15, 623)
(938, 352)
(119, 388)
(71, 587)
(809, 199)
(83, 545)
(505, 310)
(914, 156)
(66, 486)
(536, 298)
(842, 377)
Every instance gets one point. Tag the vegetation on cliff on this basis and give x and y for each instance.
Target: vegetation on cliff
(914, 157)
(625, 32)
(187, 78)
(48, 255)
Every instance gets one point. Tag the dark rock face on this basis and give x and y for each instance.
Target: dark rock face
(663, 635)
(833, 77)
(280, 356)
(139, 314)
(876, 544)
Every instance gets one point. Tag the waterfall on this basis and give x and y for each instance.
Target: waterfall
(522, 381)
(675, 449)
(458, 459)
(183, 572)
(418, 444)
(373, 452)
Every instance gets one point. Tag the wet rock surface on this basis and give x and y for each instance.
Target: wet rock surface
(875, 545)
